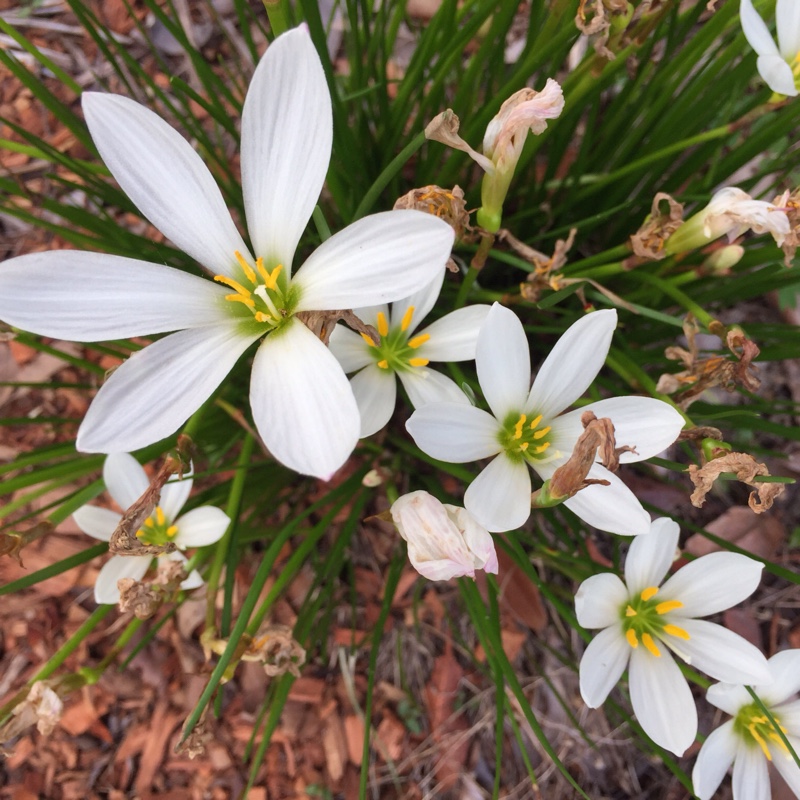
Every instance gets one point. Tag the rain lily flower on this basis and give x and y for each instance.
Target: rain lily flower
(777, 64)
(444, 541)
(126, 481)
(525, 111)
(730, 212)
(403, 353)
(642, 623)
(527, 429)
(301, 400)
(749, 740)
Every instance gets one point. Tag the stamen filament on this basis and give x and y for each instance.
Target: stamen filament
(246, 268)
(419, 340)
(383, 325)
(759, 739)
(406, 321)
(647, 641)
(237, 298)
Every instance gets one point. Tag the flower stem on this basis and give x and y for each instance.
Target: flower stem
(278, 17)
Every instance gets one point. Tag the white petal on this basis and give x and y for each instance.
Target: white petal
(174, 495)
(784, 668)
(98, 522)
(612, 508)
(158, 388)
(572, 364)
(426, 386)
(714, 760)
(662, 700)
(503, 361)
(375, 390)
(201, 526)
(125, 479)
(787, 22)
(478, 540)
(302, 402)
(91, 297)
(645, 423)
(454, 337)
(713, 583)
(599, 601)
(728, 697)
(117, 567)
(351, 351)
(651, 556)
(756, 31)
(789, 714)
(165, 178)
(377, 259)
(787, 766)
(718, 652)
(500, 497)
(777, 74)
(454, 432)
(422, 301)
(287, 130)
(602, 665)
(750, 775)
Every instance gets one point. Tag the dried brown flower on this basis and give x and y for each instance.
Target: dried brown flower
(648, 241)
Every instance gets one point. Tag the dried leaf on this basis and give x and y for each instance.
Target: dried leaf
(648, 241)
(11, 544)
(760, 535)
(444, 127)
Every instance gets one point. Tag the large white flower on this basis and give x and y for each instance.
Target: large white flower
(524, 427)
(126, 481)
(776, 63)
(749, 740)
(302, 403)
(642, 623)
(399, 352)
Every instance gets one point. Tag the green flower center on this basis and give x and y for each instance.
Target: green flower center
(643, 620)
(395, 351)
(753, 725)
(156, 530)
(524, 438)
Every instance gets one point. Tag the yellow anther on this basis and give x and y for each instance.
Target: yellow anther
(383, 325)
(541, 448)
(171, 531)
(760, 739)
(523, 446)
(148, 523)
(235, 285)
(367, 339)
(238, 298)
(160, 518)
(542, 432)
(674, 630)
(667, 606)
(383, 364)
(246, 268)
(419, 362)
(518, 426)
(630, 635)
(406, 321)
(630, 611)
(262, 270)
(140, 533)
(271, 278)
(418, 340)
(535, 422)
(262, 317)
(647, 641)
(649, 592)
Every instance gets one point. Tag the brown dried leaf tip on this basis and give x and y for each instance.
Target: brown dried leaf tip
(718, 370)
(447, 204)
(648, 241)
(546, 268)
(746, 469)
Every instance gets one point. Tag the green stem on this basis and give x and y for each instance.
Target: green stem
(277, 12)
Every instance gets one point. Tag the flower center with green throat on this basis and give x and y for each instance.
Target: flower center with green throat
(269, 301)
(156, 530)
(524, 438)
(754, 726)
(643, 621)
(395, 351)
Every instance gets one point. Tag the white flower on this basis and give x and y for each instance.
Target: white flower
(301, 400)
(776, 63)
(451, 338)
(749, 740)
(444, 541)
(126, 481)
(643, 622)
(525, 429)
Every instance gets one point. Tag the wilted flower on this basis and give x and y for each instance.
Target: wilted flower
(642, 623)
(750, 740)
(126, 481)
(400, 352)
(527, 429)
(444, 541)
(776, 63)
(301, 400)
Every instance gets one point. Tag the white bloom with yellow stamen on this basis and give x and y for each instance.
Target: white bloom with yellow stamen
(527, 429)
(777, 64)
(301, 400)
(126, 481)
(644, 622)
(403, 352)
(750, 740)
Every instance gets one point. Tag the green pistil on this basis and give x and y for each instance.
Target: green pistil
(642, 620)
(525, 438)
(752, 724)
(156, 529)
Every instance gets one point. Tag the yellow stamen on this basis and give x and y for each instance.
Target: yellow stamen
(541, 448)
(630, 635)
(271, 278)
(674, 630)
(148, 523)
(160, 515)
(760, 739)
(647, 641)
(171, 531)
(630, 611)
(237, 298)
(262, 270)
(383, 325)
(406, 321)
(235, 285)
(542, 432)
(523, 446)
(649, 592)
(262, 317)
(246, 268)
(419, 362)
(418, 340)
(383, 364)
(668, 605)
(535, 421)
(518, 426)
(367, 339)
